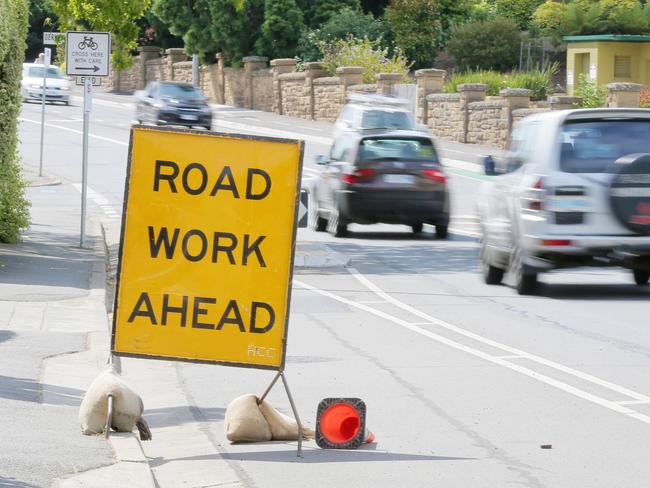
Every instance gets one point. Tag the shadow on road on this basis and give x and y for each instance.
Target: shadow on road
(14, 483)
(167, 416)
(595, 292)
(28, 390)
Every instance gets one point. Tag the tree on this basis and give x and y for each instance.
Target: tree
(521, 11)
(14, 215)
(416, 26)
(548, 18)
(282, 27)
(154, 32)
(321, 10)
(41, 18)
(490, 44)
(118, 18)
(191, 21)
(344, 24)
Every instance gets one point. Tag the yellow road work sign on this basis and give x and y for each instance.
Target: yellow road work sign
(207, 247)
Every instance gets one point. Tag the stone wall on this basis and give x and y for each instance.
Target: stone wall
(467, 116)
(295, 95)
(328, 98)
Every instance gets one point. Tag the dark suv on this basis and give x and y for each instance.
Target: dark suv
(171, 103)
(392, 177)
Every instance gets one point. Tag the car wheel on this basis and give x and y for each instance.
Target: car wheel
(417, 228)
(641, 276)
(525, 280)
(441, 231)
(491, 274)
(66, 103)
(336, 225)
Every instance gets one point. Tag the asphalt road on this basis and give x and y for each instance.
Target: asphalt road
(466, 384)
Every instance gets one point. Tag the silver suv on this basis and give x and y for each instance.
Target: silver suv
(577, 194)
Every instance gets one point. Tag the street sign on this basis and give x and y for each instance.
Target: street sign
(207, 247)
(50, 38)
(87, 53)
(94, 80)
(303, 207)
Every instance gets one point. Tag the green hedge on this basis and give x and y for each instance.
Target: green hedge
(14, 214)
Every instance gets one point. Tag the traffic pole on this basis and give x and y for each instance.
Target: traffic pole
(46, 64)
(84, 157)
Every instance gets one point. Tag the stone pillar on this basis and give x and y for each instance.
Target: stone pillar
(427, 81)
(145, 54)
(386, 80)
(469, 92)
(349, 75)
(219, 80)
(313, 71)
(174, 55)
(513, 99)
(251, 63)
(280, 66)
(623, 95)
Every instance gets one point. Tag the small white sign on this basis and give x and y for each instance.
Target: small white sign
(592, 72)
(94, 80)
(48, 57)
(569, 78)
(87, 53)
(49, 38)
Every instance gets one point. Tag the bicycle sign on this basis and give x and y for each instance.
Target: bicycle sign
(88, 53)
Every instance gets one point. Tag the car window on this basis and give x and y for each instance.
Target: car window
(37, 72)
(594, 146)
(343, 149)
(386, 119)
(412, 149)
(346, 114)
(175, 90)
(521, 146)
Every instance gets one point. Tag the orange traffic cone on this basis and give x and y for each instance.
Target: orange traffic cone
(341, 424)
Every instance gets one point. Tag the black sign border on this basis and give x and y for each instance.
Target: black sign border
(229, 135)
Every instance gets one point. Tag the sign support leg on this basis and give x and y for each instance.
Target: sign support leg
(46, 65)
(84, 157)
(291, 402)
(109, 416)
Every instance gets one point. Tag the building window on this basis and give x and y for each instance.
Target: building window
(622, 67)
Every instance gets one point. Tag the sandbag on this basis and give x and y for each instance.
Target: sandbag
(244, 421)
(283, 427)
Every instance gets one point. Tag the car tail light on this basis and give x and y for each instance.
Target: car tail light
(556, 242)
(534, 198)
(434, 174)
(357, 175)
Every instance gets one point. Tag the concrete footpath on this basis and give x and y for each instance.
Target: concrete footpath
(54, 339)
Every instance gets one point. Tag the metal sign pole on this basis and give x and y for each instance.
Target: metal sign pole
(84, 158)
(46, 65)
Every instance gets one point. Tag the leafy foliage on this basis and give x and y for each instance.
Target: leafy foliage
(322, 10)
(14, 214)
(282, 27)
(417, 29)
(548, 18)
(365, 53)
(118, 18)
(521, 11)
(490, 44)
(593, 95)
(537, 80)
(41, 18)
(344, 24)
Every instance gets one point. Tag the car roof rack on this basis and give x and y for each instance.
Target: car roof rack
(376, 100)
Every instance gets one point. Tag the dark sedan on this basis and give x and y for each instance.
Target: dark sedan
(390, 177)
(171, 103)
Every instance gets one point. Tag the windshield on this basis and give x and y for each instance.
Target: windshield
(594, 146)
(397, 148)
(386, 119)
(180, 91)
(37, 72)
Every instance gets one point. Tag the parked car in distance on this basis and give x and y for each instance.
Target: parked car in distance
(578, 194)
(375, 112)
(172, 103)
(392, 177)
(57, 86)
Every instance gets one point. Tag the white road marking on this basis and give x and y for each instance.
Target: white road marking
(65, 120)
(614, 406)
(633, 402)
(101, 201)
(512, 350)
(68, 129)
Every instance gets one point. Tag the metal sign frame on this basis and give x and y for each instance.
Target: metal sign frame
(301, 145)
(71, 69)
